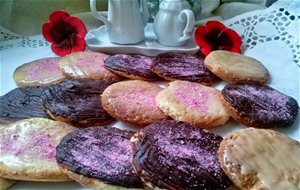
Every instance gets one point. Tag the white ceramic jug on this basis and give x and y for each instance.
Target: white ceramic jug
(174, 23)
(125, 21)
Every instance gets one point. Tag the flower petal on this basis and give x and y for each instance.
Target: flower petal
(61, 49)
(47, 31)
(230, 40)
(215, 25)
(206, 50)
(78, 43)
(200, 36)
(77, 24)
(58, 16)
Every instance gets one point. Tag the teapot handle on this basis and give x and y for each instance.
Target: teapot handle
(187, 15)
(98, 15)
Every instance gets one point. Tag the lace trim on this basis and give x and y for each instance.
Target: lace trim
(280, 22)
(9, 39)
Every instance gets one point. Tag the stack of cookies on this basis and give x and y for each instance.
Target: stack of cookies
(172, 147)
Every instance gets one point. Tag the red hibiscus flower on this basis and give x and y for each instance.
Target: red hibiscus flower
(65, 32)
(215, 36)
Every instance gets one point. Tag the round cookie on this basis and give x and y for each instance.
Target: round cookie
(133, 101)
(259, 106)
(193, 103)
(77, 102)
(87, 65)
(28, 149)
(234, 67)
(131, 66)
(261, 159)
(21, 103)
(40, 72)
(182, 66)
(99, 157)
(178, 156)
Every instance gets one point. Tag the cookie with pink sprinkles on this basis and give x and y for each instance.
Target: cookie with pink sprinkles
(40, 72)
(133, 101)
(193, 103)
(28, 149)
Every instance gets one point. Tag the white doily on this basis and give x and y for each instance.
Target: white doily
(279, 23)
(9, 39)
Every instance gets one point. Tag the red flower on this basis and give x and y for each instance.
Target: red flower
(65, 32)
(215, 36)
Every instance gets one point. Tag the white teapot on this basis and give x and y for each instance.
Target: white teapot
(125, 21)
(174, 23)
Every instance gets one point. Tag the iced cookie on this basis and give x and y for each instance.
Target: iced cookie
(87, 65)
(261, 159)
(234, 67)
(131, 66)
(193, 103)
(77, 102)
(178, 156)
(28, 149)
(182, 66)
(21, 103)
(133, 101)
(259, 106)
(99, 156)
(41, 72)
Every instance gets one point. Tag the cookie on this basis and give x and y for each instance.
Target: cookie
(87, 65)
(28, 149)
(182, 66)
(40, 72)
(259, 106)
(98, 156)
(178, 156)
(6, 183)
(261, 159)
(193, 103)
(133, 101)
(21, 103)
(77, 102)
(234, 67)
(131, 66)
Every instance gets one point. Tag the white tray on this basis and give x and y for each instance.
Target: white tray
(97, 40)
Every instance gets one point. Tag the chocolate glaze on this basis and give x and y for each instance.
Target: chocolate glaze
(21, 103)
(182, 66)
(78, 101)
(131, 65)
(178, 156)
(103, 153)
(263, 105)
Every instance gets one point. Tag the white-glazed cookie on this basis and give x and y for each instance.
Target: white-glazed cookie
(193, 103)
(87, 65)
(28, 149)
(40, 72)
(261, 159)
(234, 67)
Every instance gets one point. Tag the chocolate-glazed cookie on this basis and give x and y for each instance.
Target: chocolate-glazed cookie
(259, 106)
(178, 156)
(182, 66)
(101, 154)
(77, 102)
(131, 66)
(21, 103)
